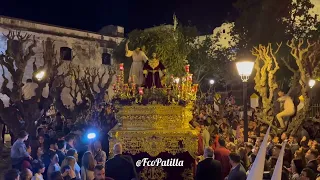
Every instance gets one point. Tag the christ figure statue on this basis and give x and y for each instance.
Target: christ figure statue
(138, 60)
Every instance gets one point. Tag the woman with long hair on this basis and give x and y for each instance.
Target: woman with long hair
(295, 169)
(244, 157)
(88, 164)
(99, 155)
(68, 168)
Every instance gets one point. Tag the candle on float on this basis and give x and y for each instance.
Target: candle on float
(125, 86)
(187, 68)
(118, 78)
(195, 86)
(141, 90)
(114, 87)
(121, 67)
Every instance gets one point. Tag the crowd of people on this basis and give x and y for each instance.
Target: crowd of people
(58, 158)
(62, 152)
(221, 146)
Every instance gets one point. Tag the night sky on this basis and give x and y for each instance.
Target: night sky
(92, 15)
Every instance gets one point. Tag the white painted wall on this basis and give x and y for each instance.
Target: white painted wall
(86, 52)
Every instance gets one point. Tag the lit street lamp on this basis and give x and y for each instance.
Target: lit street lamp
(211, 82)
(312, 82)
(40, 75)
(245, 69)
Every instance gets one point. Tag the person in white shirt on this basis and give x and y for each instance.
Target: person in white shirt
(28, 90)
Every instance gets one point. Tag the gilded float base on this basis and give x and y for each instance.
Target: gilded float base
(154, 142)
(165, 144)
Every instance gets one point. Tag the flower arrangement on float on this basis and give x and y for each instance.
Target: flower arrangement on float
(177, 91)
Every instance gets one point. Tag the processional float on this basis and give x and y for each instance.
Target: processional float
(154, 123)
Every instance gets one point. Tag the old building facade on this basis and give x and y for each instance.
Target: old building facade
(82, 48)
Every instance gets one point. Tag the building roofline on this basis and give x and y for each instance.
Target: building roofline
(53, 29)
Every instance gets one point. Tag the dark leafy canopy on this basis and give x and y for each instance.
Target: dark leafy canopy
(270, 21)
(273, 21)
(208, 61)
(172, 47)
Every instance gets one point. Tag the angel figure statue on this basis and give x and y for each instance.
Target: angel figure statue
(138, 60)
(151, 70)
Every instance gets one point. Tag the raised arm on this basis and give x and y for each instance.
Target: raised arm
(128, 52)
(127, 42)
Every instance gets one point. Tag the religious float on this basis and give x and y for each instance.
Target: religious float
(154, 123)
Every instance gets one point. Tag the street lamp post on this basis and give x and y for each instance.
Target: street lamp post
(245, 69)
(311, 83)
(211, 82)
(211, 95)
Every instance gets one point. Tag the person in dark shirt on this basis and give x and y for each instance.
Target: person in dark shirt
(70, 139)
(59, 122)
(311, 157)
(208, 168)
(237, 171)
(120, 166)
(61, 150)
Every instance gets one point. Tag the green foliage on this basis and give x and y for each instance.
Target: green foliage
(172, 47)
(274, 21)
(208, 61)
(271, 21)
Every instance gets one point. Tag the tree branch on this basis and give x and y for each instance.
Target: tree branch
(4, 89)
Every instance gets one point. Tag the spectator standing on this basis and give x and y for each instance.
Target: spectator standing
(61, 150)
(54, 165)
(120, 166)
(19, 150)
(221, 154)
(38, 170)
(208, 168)
(237, 172)
(88, 164)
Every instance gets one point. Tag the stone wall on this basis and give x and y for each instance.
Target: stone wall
(87, 47)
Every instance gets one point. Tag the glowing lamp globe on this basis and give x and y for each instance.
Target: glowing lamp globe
(91, 135)
(211, 82)
(40, 75)
(244, 69)
(312, 82)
